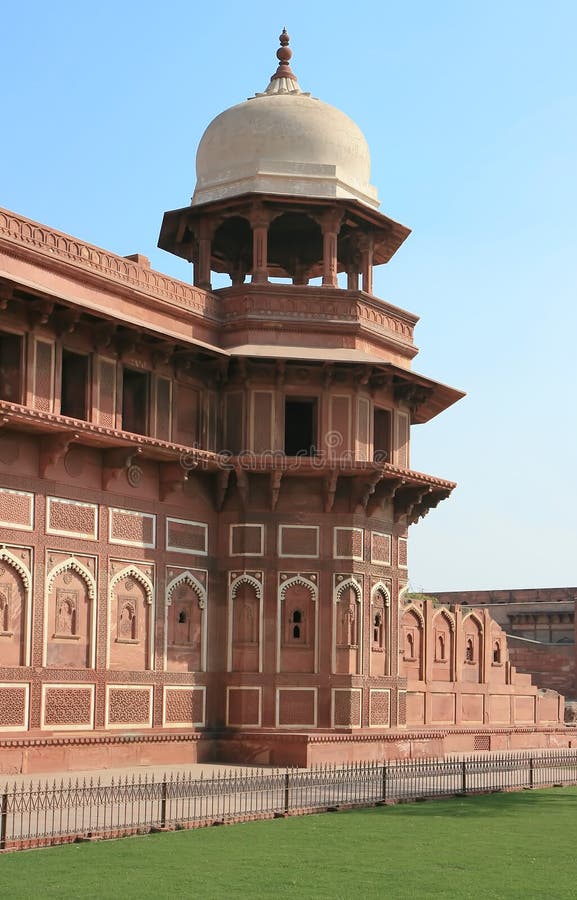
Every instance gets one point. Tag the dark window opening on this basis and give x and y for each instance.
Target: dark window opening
(10, 367)
(300, 425)
(296, 632)
(182, 617)
(382, 424)
(469, 651)
(74, 390)
(297, 616)
(497, 652)
(135, 401)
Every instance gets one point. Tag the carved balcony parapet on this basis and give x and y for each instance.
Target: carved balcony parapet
(17, 231)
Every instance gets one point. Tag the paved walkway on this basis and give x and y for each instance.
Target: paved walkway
(207, 770)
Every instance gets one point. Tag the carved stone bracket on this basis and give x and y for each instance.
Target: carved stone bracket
(330, 488)
(384, 492)
(103, 335)
(275, 482)
(280, 372)
(116, 461)
(39, 312)
(408, 501)
(66, 320)
(222, 479)
(364, 488)
(172, 478)
(53, 448)
(428, 502)
(242, 485)
(414, 395)
(328, 374)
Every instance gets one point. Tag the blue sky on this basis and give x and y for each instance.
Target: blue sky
(470, 110)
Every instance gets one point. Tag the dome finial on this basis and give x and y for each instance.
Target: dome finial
(284, 54)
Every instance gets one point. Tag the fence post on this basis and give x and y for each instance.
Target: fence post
(163, 794)
(286, 791)
(385, 779)
(3, 820)
(531, 772)
(464, 777)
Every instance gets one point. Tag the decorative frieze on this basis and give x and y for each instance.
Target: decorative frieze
(71, 518)
(16, 509)
(132, 528)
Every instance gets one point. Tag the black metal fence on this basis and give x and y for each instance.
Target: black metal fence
(59, 812)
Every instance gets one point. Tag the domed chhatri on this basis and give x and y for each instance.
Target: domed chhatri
(283, 141)
(283, 190)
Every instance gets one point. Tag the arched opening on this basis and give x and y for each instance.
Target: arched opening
(295, 247)
(232, 248)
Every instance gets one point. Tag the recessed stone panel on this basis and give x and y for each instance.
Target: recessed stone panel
(132, 528)
(184, 706)
(128, 705)
(71, 518)
(347, 707)
(299, 540)
(443, 708)
(67, 707)
(184, 536)
(380, 548)
(246, 540)
(380, 708)
(415, 705)
(16, 509)
(296, 707)
(348, 543)
(243, 706)
(14, 707)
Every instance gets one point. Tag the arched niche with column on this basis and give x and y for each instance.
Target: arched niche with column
(131, 620)
(245, 623)
(70, 616)
(472, 668)
(15, 609)
(380, 630)
(347, 627)
(443, 646)
(412, 644)
(297, 649)
(185, 630)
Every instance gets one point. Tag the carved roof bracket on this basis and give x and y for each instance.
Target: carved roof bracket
(103, 336)
(280, 372)
(53, 448)
(384, 492)
(66, 320)
(115, 461)
(39, 312)
(221, 486)
(409, 501)
(172, 478)
(275, 482)
(328, 374)
(242, 485)
(364, 488)
(330, 488)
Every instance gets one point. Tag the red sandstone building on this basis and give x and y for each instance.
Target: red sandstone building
(205, 494)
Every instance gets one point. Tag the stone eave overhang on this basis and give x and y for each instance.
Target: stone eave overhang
(174, 222)
(424, 397)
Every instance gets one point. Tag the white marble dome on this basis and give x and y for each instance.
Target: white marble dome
(283, 142)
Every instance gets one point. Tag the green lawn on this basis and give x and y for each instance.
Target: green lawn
(500, 845)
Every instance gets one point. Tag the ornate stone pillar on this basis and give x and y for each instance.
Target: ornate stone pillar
(330, 225)
(202, 268)
(260, 222)
(366, 248)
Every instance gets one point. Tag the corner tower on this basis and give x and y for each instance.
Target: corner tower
(317, 399)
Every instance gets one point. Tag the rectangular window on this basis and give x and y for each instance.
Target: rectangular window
(382, 421)
(135, 393)
(74, 385)
(10, 367)
(300, 426)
